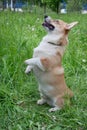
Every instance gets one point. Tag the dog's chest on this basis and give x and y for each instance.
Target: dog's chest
(44, 50)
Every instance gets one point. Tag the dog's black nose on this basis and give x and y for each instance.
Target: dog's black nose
(45, 16)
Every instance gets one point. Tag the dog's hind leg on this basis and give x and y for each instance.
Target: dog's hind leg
(42, 100)
(54, 109)
(58, 104)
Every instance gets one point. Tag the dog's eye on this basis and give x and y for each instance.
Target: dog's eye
(57, 21)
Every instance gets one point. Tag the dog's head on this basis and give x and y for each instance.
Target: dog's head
(57, 26)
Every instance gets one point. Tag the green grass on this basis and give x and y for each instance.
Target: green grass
(19, 34)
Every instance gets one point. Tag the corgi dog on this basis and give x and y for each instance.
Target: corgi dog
(47, 63)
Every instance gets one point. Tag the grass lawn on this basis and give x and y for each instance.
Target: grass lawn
(19, 34)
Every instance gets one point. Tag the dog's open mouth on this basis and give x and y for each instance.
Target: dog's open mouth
(47, 24)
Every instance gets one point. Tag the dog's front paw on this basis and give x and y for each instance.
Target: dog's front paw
(41, 101)
(54, 109)
(28, 69)
(26, 61)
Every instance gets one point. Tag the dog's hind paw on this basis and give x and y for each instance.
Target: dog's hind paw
(54, 109)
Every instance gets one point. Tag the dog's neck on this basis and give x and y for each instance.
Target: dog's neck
(58, 40)
(55, 44)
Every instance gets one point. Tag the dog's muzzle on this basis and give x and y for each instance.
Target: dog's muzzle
(47, 23)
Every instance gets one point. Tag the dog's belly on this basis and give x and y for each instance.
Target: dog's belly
(45, 89)
(44, 82)
(39, 74)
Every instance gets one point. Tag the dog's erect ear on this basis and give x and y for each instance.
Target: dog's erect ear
(71, 25)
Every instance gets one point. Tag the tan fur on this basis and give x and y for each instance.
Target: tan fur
(47, 64)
